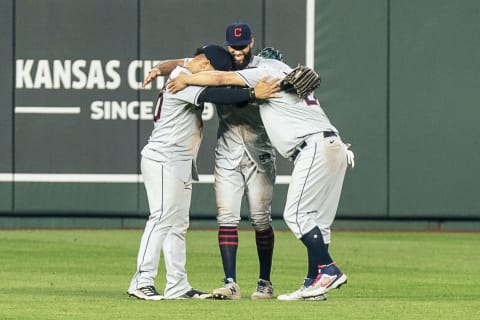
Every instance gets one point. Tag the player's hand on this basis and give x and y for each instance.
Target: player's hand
(178, 83)
(350, 155)
(266, 89)
(151, 76)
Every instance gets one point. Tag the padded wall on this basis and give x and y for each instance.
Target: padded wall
(399, 80)
(434, 99)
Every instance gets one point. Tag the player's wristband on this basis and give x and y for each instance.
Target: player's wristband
(251, 92)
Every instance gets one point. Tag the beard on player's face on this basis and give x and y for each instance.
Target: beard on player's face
(242, 64)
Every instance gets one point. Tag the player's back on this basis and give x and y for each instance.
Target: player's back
(287, 119)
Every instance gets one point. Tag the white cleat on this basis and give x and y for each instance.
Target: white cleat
(297, 296)
(146, 293)
(229, 291)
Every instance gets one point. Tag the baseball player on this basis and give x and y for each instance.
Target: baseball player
(244, 165)
(301, 132)
(168, 167)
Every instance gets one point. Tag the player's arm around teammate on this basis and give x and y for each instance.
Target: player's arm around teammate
(209, 78)
(244, 166)
(163, 68)
(300, 130)
(168, 167)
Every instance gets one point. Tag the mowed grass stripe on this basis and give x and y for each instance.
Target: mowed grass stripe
(84, 274)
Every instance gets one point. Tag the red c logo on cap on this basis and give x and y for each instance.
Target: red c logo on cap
(237, 32)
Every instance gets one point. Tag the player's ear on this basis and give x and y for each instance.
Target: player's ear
(206, 65)
(252, 43)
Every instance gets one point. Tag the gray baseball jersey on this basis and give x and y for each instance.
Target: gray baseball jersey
(168, 164)
(241, 130)
(177, 137)
(297, 125)
(244, 163)
(288, 119)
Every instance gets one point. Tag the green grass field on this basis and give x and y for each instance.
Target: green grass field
(77, 274)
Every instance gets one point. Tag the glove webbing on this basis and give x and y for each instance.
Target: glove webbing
(304, 80)
(306, 83)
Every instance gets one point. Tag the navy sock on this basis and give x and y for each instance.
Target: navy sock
(265, 240)
(317, 251)
(228, 244)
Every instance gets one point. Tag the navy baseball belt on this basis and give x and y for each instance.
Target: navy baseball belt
(300, 147)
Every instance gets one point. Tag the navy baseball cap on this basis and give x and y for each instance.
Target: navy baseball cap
(238, 34)
(219, 58)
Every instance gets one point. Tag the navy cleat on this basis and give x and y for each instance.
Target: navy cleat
(329, 277)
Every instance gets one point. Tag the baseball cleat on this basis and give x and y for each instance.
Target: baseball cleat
(329, 277)
(264, 290)
(297, 296)
(321, 297)
(195, 294)
(229, 291)
(145, 293)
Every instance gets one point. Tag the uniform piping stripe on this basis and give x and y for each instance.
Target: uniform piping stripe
(151, 231)
(244, 79)
(303, 189)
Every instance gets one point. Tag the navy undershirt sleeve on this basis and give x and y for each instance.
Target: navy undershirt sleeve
(225, 95)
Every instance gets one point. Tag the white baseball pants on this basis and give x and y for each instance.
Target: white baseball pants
(230, 186)
(169, 202)
(315, 187)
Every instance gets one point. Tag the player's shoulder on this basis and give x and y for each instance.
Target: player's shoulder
(274, 64)
(254, 62)
(179, 69)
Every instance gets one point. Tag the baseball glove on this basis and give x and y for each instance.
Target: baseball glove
(302, 80)
(270, 53)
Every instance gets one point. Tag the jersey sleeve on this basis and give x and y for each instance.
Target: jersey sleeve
(266, 68)
(252, 75)
(190, 94)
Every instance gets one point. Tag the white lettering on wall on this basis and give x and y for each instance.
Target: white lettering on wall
(121, 110)
(24, 74)
(67, 74)
(94, 74)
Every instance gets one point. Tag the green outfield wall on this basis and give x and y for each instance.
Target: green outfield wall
(400, 80)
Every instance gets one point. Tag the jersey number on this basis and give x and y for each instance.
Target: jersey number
(310, 100)
(158, 107)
